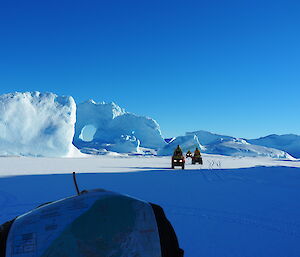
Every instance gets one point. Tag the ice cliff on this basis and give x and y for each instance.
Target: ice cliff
(37, 124)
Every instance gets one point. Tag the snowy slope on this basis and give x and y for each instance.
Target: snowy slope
(36, 124)
(241, 212)
(289, 143)
(115, 129)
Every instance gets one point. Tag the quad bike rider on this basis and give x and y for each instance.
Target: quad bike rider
(197, 157)
(189, 154)
(178, 158)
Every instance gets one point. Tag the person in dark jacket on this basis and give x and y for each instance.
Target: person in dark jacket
(178, 151)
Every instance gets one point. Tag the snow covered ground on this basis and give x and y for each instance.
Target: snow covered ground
(230, 207)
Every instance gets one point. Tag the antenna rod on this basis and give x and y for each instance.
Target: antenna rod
(75, 182)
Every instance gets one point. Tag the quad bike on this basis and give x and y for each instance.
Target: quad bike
(178, 161)
(197, 159)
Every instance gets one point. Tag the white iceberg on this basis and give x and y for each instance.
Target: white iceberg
(125, 144)
(289, 143)
(106, 124)
(231, 146)
(189, 142)
(37, 124)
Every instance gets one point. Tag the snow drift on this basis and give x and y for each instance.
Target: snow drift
(114, 128)
(36, 124)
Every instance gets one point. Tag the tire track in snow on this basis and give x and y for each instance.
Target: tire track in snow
(210, 173)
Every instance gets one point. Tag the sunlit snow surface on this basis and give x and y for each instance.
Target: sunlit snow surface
(230, 207)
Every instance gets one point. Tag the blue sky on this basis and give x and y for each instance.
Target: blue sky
(229, 67)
